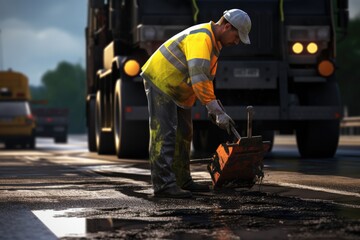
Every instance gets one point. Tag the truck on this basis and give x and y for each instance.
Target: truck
(51, 122)
(17, 124)
(287, 73)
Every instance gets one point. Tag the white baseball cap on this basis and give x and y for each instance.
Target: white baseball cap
(241, 21)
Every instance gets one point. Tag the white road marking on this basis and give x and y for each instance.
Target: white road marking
(320, 189)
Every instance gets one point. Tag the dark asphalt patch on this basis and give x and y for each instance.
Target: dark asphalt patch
(229, 214)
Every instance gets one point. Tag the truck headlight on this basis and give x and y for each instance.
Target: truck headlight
(297, 48)
(312, 48)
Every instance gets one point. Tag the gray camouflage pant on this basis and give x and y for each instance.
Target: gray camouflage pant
(170, 140)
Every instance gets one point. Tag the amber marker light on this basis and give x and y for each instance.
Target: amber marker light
(312, 48)
(326, 68)
(297, 48)
(132, 68)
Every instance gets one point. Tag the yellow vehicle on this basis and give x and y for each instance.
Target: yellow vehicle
(17, 124)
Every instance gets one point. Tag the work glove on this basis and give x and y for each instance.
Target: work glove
(217, 114)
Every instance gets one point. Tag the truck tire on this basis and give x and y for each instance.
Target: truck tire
(32, 141)
(91, 125)
(61, 139)
(319, 139)
(9, 145)
(104, 139)
(269, 135)
(131, 137)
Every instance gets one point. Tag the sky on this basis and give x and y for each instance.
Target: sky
(38, 34)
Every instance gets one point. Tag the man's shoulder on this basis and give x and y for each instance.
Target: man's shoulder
(201, 28)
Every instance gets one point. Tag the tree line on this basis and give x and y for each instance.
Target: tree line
(65, 87)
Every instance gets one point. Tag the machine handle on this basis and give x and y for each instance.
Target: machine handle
(237, 135)
(250, 113)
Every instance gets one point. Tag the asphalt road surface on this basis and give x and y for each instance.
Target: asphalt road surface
(63, 191)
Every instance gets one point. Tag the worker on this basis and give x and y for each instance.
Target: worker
(180, 71)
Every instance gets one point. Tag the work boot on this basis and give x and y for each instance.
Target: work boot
(173, 192)
(195, 187)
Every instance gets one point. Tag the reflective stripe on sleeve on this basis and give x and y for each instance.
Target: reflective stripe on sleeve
(199, 69)
(199, 78)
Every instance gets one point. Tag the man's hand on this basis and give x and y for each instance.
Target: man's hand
(218, 116)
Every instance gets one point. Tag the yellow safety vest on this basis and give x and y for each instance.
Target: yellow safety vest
(184, 66)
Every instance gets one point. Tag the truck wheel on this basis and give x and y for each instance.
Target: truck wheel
(32, 142)
(9, 145)
(319, 139)
(91, 125)
(61, 139)
(131, 137)
(104, 139)
(269, 135)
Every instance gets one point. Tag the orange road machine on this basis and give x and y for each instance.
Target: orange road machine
(239, 164)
